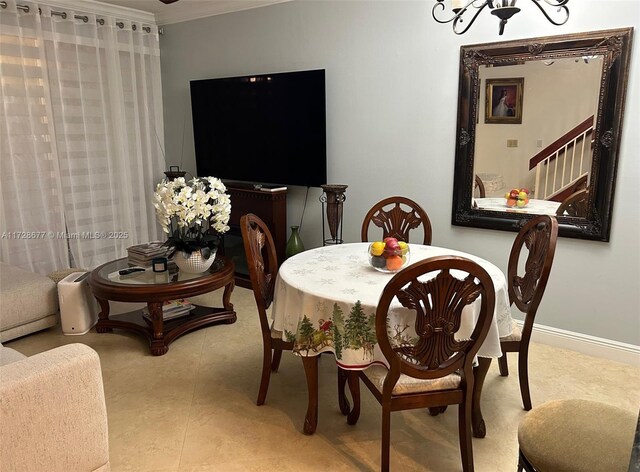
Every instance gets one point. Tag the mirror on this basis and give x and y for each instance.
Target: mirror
(542, 116)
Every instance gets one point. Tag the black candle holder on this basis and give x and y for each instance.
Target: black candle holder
(174, 172)
(332, 200)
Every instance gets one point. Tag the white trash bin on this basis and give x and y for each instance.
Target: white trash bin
(78, 307)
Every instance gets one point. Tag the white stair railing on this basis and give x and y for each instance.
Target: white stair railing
(562, 167)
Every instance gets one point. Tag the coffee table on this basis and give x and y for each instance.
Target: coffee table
(155, 288)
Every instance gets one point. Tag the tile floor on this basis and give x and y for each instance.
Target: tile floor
(194, 408)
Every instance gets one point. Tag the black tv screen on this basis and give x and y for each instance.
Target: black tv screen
(266, 129)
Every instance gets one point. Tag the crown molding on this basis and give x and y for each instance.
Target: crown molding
(193, 11)
(100, 8)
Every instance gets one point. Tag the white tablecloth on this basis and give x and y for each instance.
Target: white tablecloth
(534, 207)
(318, 289)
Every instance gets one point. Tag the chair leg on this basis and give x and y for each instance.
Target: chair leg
(266, 374)
(354, 388)
(386, 438)
(523, 463)
(464, 431)
(277, 355)
(478, 425)
(436, 410)
(503, 365)
(523, 374)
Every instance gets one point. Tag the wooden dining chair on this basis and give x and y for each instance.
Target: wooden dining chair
(432, 368)
(539, 236)
(262, 262)
(397, 216)
(575, 204)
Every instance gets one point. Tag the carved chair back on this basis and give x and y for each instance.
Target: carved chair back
(576, 204)
(438, 302)
(262, 262)
(539, 237)
(396, 221)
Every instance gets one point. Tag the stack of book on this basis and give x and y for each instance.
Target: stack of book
(172, 309)
(143, 254)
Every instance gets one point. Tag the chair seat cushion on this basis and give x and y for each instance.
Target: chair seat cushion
(406, 384)
(577, 435)
(516, 334)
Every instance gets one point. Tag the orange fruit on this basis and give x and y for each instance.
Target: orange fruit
(394, 263)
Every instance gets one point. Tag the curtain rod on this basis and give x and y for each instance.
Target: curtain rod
(84, 18)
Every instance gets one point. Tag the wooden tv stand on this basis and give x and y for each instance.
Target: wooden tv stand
(270, 205)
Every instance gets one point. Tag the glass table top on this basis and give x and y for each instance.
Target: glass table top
(110, 272)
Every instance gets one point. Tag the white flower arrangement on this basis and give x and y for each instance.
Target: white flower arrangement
(193, 214)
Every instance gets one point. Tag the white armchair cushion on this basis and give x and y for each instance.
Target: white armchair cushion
(52, 412)
(406, 384)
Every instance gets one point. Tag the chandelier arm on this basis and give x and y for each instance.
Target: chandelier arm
(440, 5)
(556, 3)
(457, 17)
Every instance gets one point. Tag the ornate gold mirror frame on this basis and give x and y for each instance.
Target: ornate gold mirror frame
(612, 48)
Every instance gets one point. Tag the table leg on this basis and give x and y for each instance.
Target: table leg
(158, 345)
(354, 388)
(310, 364)
(226, 296)
(343, 402)
(479, 374)
(103, 316)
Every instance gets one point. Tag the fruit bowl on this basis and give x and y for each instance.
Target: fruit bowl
(517, 197)
(389, 255)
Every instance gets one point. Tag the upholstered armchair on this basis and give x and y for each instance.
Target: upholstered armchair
(52, 411)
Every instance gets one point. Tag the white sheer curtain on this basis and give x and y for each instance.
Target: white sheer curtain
(81, 126)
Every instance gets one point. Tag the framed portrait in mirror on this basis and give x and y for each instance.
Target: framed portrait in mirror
(504, 101)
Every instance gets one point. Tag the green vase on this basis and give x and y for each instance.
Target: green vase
(294, 244)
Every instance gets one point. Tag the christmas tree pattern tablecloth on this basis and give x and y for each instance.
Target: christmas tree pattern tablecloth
(325, 300)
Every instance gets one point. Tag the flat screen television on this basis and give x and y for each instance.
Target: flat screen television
(264, 129)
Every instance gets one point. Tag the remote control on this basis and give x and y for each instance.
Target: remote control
(131, 270)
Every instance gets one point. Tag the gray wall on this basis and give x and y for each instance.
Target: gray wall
(392, 81)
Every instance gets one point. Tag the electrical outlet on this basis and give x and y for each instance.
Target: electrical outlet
(512, 143)
(539, 143)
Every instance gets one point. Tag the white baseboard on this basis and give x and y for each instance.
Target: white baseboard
(590, 345)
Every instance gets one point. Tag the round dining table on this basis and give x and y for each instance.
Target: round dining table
(335, 286)
(534, 207)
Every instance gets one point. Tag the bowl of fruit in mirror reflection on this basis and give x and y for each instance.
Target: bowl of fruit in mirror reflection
(517, 197)
(389, 255)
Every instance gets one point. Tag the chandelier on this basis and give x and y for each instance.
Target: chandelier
(503, 9)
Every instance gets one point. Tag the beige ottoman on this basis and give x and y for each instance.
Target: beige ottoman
(576, 436)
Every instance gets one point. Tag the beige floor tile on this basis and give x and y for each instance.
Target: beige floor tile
(194, 408)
